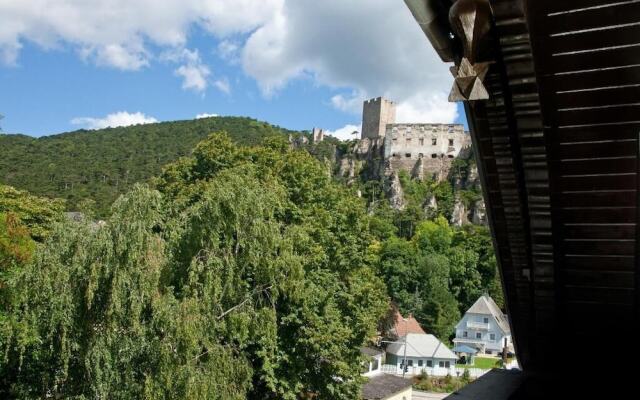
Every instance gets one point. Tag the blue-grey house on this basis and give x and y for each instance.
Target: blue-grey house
(484, 327)
(423, 352)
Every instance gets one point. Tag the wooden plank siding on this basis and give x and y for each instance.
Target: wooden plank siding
(557, 149)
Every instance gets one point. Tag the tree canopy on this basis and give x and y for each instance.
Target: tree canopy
(247, 273)
(102, 164)
(239, 271)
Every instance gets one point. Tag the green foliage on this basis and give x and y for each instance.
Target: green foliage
(466, 376)
(37, 213)
(105, 163)
(439, 272)
(247, 275)
(244, 272)
(441, 384)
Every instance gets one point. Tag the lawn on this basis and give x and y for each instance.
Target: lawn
(482, 363)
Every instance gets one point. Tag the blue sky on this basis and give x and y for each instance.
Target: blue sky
(270, 63)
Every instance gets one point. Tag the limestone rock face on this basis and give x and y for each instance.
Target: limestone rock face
(479, 213)
(418, 170)
(430, 207)
(395, 192)
(459, 214)
(473, 180)
(347, 168)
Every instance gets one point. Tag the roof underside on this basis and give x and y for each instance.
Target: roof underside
(557, 148)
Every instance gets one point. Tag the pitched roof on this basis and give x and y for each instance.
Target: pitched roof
(402, 326)
(421, 345)
(383, 386)
(370, 351)
(486, 306)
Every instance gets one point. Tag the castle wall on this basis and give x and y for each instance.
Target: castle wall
(429, 147)
(376, 115)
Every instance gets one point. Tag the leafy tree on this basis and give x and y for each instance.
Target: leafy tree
(247, 275)
(102, 164)
(37, 213)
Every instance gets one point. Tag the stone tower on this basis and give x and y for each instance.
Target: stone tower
(376, 114)
(317, 135)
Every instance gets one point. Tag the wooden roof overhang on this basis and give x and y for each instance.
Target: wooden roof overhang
(557, 149)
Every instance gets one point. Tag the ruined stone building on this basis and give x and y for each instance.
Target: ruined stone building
(422, 149)
(317, 135)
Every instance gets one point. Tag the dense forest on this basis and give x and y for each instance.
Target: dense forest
(243, 269)
(102, 164)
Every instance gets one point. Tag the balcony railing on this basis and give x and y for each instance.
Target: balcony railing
(477, 325)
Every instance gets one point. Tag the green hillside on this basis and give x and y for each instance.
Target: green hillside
(103, 164)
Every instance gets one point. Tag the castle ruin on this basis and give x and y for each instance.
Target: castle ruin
(317, 135)
(422, 149)
(376, 115)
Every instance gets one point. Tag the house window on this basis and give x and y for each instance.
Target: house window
(465, 334)
(408, 155)
(434, 141)
(434, 156)
(492, 337)
(429, 363)
(478, 335)
(486, 320)
(447, 364)
(444, 364)
(410, 363)
(419, 363)
(450, 142)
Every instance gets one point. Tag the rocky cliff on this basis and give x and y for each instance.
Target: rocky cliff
(450, 187)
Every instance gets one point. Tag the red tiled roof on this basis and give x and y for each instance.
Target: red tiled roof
(402, 327)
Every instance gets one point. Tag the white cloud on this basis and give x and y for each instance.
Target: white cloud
(119, 33)
(223, 85)
(120, 118)
(361, 47)
(346, 132)
(193, 72)
(205, 115)
(229, 50)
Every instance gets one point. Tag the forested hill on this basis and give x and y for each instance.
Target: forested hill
(102, 164)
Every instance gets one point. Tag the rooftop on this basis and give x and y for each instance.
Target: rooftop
(383, 386)
(421, 345)
(486, 306)
(402, 325)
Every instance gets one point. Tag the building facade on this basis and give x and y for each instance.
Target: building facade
(484, 327)
(376, 115)
(421, 149)
(424, 352)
